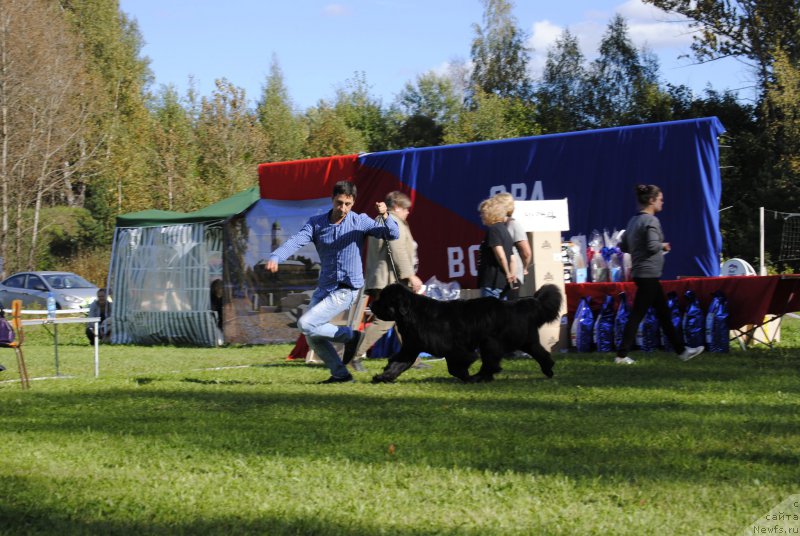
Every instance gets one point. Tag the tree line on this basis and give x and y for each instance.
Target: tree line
(84, 136)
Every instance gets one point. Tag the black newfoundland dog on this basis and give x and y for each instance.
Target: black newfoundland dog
(459, 330)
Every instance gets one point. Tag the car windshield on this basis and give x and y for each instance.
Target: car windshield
(62, 281)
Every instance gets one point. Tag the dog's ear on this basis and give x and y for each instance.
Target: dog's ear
(403, 305)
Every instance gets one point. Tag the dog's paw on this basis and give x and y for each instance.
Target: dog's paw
(548, 370)
(479, 378)
(382, 378)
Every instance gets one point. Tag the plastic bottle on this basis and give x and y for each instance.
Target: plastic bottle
(598, 269)
(51, 306)
(580, 268)
(627, 266)
(615, 270)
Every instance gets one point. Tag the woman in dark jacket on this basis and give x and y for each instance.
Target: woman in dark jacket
(644, 240)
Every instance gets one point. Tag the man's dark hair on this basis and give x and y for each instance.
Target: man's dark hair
(344, 188)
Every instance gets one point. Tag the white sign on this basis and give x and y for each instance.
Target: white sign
(544, 215)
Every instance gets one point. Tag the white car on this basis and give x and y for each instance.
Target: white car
(71, 291)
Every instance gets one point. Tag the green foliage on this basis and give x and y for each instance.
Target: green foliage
(424, 109)
(168, 440)
(562, 95)
(329, 133)
(285, 131)
(432, 95)
(782, 116)
(136, 150)
(92, 265)
(120, 143)
(499, 55)
(230, 142)
(752, 30)
(363, 113)
(623, 83)
(176, 155)
(65, 233)
(492, 118)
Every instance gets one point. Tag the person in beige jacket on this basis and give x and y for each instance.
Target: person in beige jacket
(380, 272)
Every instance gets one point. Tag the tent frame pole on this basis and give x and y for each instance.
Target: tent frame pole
(762, 269)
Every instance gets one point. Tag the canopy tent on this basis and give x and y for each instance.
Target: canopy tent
(162, 266)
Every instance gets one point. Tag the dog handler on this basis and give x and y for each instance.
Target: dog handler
(644, 240)
(338, 236)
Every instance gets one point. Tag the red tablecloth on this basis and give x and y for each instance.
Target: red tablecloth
(750, 298)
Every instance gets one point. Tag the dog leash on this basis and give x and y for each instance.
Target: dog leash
(389, 251)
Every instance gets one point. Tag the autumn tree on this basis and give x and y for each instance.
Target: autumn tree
(45, 115)
(230, 142)
(176, 154)
(118, 178)
(329, 133)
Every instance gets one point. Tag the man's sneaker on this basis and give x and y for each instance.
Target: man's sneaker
(334, 379)
(357, 365)
(690, 352)
(2, 368)
(351, 346)
(624, 361)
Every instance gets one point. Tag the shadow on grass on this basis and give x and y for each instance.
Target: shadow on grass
(50, 520)
(582, 435)
(219, 382)
(724, 419)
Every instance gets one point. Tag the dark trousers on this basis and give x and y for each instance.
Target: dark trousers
(649, 294)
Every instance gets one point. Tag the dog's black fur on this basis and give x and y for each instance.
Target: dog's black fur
(457, 330)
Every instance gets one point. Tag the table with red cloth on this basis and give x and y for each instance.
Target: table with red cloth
(750, 298)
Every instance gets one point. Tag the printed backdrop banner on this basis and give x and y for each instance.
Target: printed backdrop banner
(596, 170)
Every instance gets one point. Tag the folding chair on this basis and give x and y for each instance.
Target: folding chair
(16, 344)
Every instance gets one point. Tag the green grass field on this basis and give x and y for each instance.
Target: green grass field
(164, 443)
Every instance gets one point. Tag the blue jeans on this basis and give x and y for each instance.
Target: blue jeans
(491, 292)
(320, 333)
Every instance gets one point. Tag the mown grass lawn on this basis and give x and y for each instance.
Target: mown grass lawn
(165, 443)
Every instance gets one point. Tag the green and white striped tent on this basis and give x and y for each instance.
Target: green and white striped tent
(162, 266)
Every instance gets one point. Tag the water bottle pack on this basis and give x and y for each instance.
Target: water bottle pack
(717, 330)
(693, 322)
(648, 335)
(51, 306)
(604, 326)
(621, 319)
(694, 327)
(675, 314)
(581, 332)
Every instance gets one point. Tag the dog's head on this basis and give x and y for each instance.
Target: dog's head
(393, 303)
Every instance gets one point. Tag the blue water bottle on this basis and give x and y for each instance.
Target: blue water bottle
(51, 306)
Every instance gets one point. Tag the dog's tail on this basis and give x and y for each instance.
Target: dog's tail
(549, 298)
